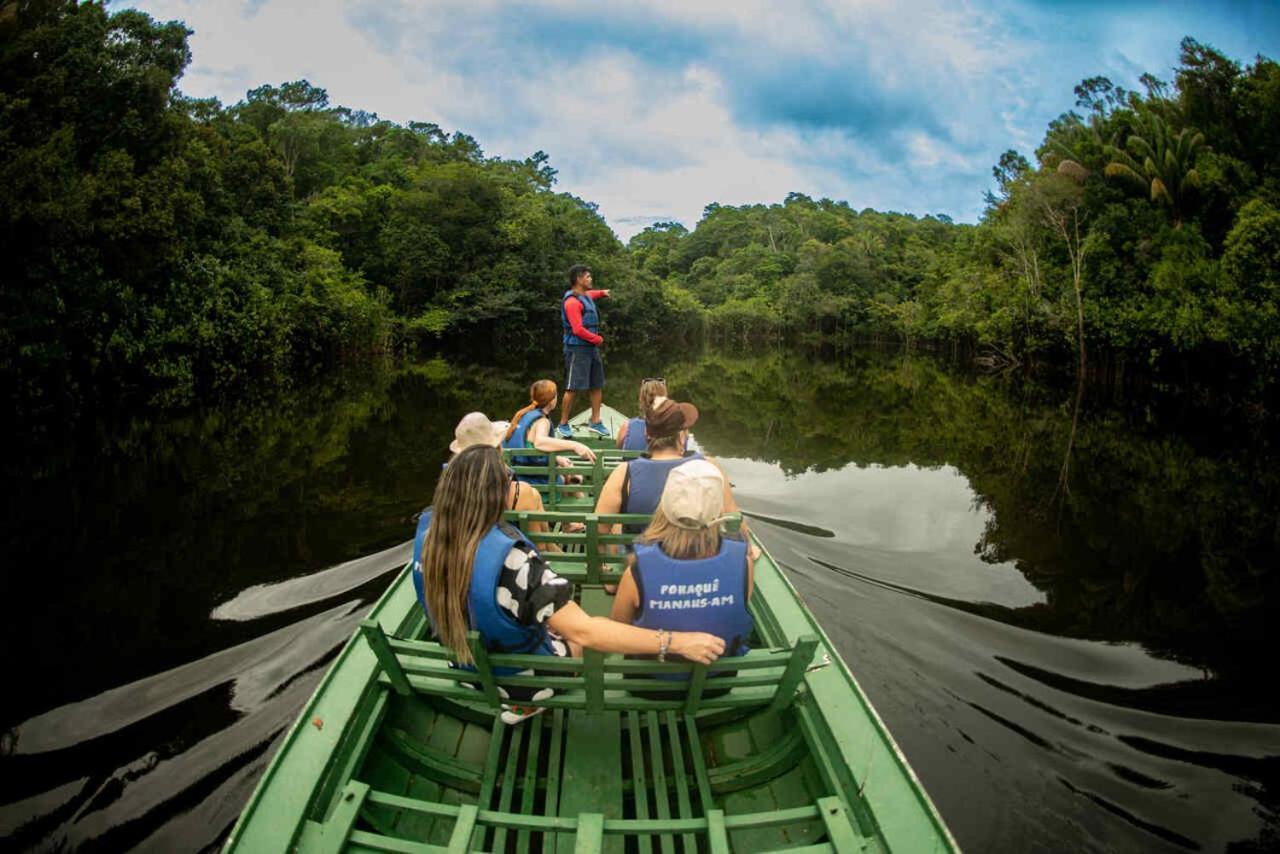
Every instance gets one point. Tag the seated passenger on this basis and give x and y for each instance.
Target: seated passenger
(475, 428)
(636, 485)
(683, 574)
(471, 570)
(531, 428)
(632, 435)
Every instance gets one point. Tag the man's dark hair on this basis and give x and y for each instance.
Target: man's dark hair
(577, 271)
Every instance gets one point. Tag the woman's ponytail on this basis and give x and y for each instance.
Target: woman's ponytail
(541, 393)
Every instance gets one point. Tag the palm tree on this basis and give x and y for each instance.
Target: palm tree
(1160, 161)
(1074, 144)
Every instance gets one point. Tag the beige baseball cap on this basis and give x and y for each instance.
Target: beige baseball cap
(694, 495)
(475, 428)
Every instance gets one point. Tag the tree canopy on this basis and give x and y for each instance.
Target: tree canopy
(173, 247)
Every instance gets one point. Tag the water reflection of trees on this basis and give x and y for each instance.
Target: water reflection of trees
(129, 534)
(1166, 535)
(134, 532)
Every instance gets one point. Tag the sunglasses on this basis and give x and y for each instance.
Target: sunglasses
(662, 380)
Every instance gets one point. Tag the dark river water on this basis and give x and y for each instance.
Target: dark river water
(1070, 633)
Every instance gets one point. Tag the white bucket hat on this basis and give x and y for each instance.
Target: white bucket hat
(475, 428)
(694, 495)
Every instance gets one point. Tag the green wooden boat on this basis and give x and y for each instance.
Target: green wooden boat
(393, 753)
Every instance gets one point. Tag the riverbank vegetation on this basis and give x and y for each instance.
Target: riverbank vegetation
(175, 247)
(162, 247)
(1149, 229)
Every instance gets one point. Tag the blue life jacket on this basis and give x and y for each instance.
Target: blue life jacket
(590, 319)
(498, 629)
(520, 439)
(637, 438)
(645, 480)
(702, 595)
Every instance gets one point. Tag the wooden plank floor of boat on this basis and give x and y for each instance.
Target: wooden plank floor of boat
(645, 765)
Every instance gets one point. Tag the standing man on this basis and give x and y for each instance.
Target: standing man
(584, 370)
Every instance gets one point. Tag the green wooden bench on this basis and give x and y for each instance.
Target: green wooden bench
(581, 833)
(570, 495)
(589, 556)
(617, 761)
(621, 742)
(594, 683)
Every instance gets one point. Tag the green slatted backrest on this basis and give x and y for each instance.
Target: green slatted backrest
(593, 475)
(594, 683)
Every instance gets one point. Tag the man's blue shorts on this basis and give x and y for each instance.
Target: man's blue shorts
(583, 368)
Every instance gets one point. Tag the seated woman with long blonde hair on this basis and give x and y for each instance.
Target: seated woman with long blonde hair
(474, 571)
(475, 428)
(684, 575)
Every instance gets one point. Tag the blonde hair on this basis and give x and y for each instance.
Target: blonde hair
(649, 389)
(469, 500)
(541, 393)
(681, 543)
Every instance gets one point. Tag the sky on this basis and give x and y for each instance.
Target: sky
(656, 108)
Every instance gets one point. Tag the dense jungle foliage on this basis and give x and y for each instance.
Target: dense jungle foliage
(171, 247)
(1150, 228)
(160, 243)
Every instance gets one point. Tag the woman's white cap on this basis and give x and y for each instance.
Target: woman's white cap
(694, 495)
(475, 428)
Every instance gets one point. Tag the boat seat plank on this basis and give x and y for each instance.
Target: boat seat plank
(363, 842)
(699, 762)
(490, 778)
(680, 771)
(529, 785)
(840, 830)
(335, 830)
(590, 835)
(771, 677)
(661, 796)
(717, 836)
(639, 784)
(460, 837)
(555, 758)
(589, 779)
(510, 769)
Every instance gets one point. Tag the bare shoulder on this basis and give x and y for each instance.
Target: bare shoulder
(530, 499)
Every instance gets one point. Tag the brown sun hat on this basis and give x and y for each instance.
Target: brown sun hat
(667, 417)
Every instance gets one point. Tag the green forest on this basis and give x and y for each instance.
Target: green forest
(163, 248)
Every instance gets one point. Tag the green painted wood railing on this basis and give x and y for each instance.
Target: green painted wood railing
(594, 683)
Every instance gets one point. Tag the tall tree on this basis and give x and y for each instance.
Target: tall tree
(1159, 161)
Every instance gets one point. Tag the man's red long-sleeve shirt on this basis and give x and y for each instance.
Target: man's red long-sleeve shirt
(573, 311)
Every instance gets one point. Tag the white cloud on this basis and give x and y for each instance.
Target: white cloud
(644, 109)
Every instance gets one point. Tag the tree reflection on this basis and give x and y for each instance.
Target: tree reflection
(1168, 532)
